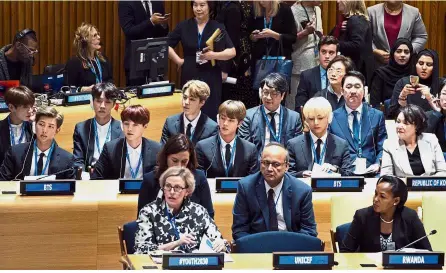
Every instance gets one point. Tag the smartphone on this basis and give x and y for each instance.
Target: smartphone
(167, 15)
(414, 80)
(319, 34)
(368, 265)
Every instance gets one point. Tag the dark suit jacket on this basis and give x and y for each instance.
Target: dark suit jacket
(111, 162)
(206, 127)
(150, 188)
(301, 158)
(5, 136)
(253, 127)
(251, 214)
(373, 133)
(309, 85)
(332, 98)
(84, 141)
(364, 232)
(209, 158)
(20, 157)
(136, 25)
(435, 125)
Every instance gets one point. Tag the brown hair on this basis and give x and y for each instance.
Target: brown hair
(259, 10)
(197, 89)
(136, 113)
(49, 112)
(20, 95)
(355, 7)
(81, 38)
(233, 109)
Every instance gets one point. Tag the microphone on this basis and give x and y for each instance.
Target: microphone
(433, 232)
(59, 172)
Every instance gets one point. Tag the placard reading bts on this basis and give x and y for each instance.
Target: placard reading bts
(47, 187)
(419, 260)
(303, 260)
(130, 186)
(426, 183)
(210, 261)
(338, 184)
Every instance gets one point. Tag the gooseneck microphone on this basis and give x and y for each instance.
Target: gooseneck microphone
(59, 172)
(433, 232)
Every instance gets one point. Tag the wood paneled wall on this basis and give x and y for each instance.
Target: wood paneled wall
(56, 21)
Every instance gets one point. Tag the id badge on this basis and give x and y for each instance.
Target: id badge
(391, 246)
(316, 52)
(197, 58)
(361, 165)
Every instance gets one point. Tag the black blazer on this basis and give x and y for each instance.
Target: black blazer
(111, 162)
(18, 160)
(5, 136)
(364, 232)
(150, 188)
(206, 127)
(309, 85)
(209, 158)
(435, 125)
(77, 75)
(332, 99)
(136, 25)
(301, 159)
(84, 141)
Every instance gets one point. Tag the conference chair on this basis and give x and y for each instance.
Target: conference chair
(126, 236)
(54, 69)
(434, 218)
(274, 241)
(338, 236)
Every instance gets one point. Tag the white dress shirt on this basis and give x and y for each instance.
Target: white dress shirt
(314, 139)
(34, 163)
(278, 196)
(268, 137)
(223, 148)
(134, 155)
(102, 131)
(350, 117)
(17, 132)
(193, 122)
(150, 6)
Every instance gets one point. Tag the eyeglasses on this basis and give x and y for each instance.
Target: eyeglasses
(275, 165)
(176, 189)
(30, 51)
(273, 94)
(336, 72)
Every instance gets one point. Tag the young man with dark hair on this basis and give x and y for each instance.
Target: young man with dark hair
(16, 128)
(130, 156)
(16, 59)
(90, 135)
(41, 156)
(226, 155)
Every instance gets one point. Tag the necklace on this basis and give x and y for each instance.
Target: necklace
(391, 11)
(387, 222)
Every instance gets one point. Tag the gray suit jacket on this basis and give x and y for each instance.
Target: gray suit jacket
(412, 27)
(396, 162)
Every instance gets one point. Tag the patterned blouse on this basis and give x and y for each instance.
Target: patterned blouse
(158, 227)
(384, 240)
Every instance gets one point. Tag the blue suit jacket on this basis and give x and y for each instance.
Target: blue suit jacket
(206, 127)
(251, 214)
(210, 161)
(253, 127)
(84, 141)
(301, 158)
(373, 133)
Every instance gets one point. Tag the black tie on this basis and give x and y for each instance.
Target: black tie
(274, 226)
(318, 150)
(228, 155)
(146, 5)
(273, 122)
(40, 164)
(188, 130)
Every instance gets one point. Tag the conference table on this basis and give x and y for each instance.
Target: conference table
(80, 231)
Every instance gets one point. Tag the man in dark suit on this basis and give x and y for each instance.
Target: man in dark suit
(362, 126)
(41, 156)
(226, 155)
(141, 20)
(132, 156)
(271, 122)
(90, 135)
(315, 79)
(192, 122)
(318, 150)
(272, 200)
(16, 128)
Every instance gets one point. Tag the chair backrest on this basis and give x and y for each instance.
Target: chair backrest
(343, 207)
(435, 218)
(339, 235)
(54, 69)
(273, 241)
(127, 237)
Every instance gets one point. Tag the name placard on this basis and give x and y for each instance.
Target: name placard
(426, 183)
(338, 184)
(3, 107)
(130, 186)
(155, 90)
(47, 187)
(303, 260)
(417, 260)
(226, 184)
(193, 261)
(77, 98)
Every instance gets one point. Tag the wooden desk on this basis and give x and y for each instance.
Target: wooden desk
(265, 261)
(160, 108)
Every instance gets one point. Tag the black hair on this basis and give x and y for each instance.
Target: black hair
(413, 114)
(276, 81)
(328, 40)
(346, 61)
(398, 188)
(109, 89)
(24, 35)
(211, 5)
(355, 74)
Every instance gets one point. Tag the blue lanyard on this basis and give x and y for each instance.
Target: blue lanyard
(272, 133)
(231, 161)
(47, 160)
(98, 79)
(11, 133)
(171, 219)
(314, 152)
(270, 22)
(277, 199)
(134, 173)
(107, 138)
(200, 35)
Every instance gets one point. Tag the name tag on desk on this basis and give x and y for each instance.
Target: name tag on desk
(338, 184)
(77, 98)
(226, 184)
(426, 183)
(193, 261)
(417, 260)
(130, 186)
(47, 187)
(303, 260)
(155, 90)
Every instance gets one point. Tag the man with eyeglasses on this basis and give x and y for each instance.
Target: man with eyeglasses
(363, 127)
(16, 59)
(273, 200)
(271, 122)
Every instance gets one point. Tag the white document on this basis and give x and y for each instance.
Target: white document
(206, 247)
(85, 176)
(318, 172)
(361, 165)
(32, 177)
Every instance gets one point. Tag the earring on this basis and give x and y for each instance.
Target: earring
(394, 204)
